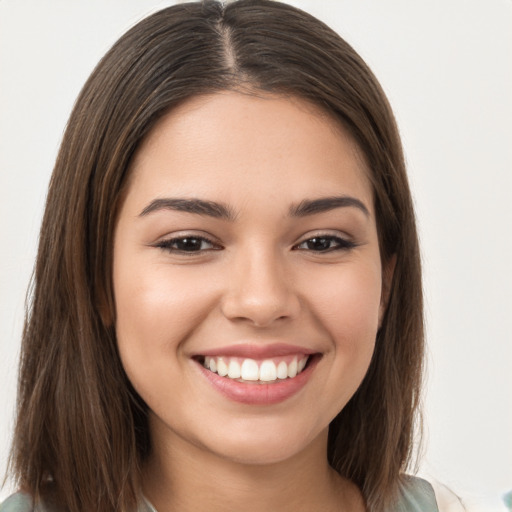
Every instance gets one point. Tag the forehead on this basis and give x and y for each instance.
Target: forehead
(232, 145)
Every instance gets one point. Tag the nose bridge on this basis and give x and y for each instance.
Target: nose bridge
(260, 290)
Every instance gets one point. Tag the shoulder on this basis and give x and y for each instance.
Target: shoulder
(416, 495)
(18, 502)
(447, 499)
(23, 502)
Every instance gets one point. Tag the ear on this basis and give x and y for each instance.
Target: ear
(388, 270)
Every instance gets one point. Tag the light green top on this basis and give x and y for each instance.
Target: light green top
(417, 496)
(21, 502)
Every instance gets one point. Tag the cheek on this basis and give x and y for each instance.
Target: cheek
(156, 310)
(344, 302)
(349, 314)
(348, 304)
(157, 303)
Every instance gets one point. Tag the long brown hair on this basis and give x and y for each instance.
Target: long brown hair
(81, 434)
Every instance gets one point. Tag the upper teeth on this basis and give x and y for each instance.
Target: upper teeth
(267, 370)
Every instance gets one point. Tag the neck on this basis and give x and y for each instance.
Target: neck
(182, 477)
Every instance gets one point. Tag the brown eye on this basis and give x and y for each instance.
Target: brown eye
(188, 244)
(325, 244)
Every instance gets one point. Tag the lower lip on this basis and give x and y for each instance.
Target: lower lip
(260, 394)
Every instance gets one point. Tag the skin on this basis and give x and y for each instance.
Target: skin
(257, 282)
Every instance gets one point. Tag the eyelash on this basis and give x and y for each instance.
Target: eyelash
(167, 245)
(342, 244)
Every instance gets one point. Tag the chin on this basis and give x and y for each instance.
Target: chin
(263, 446)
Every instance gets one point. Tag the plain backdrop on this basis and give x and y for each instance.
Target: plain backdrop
(446, 66)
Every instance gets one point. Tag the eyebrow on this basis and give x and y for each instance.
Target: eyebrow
(197, 206)
(221, 211)
(325, 204)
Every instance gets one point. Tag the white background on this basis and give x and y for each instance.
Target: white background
(446, 66)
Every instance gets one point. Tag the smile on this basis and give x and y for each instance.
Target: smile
(257, 371)
(258, 374)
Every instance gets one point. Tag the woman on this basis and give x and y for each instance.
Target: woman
(227, 309)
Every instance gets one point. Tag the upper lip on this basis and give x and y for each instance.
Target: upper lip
(257, 350)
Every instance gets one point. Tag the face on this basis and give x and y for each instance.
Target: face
(247, 275)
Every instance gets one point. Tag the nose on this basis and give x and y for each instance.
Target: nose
(260, 290)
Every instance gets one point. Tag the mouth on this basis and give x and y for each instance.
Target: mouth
(257, 380)
(254, 371)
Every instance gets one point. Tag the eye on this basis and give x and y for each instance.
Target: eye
(187, 244)
(325, 244)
